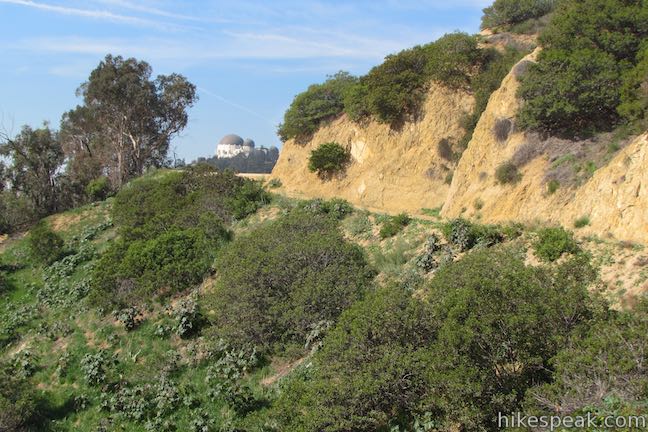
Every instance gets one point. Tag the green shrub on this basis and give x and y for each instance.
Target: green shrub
(45, 246)
(275, 183)
(282, 279)
(149, 207)
(328, 158)
(577, 85)
(337, 208)
(130, 273)
(553, 242)
(21, 407)
(370, 373)
(466, 235)
(320, 102)
(552, 186)
(634, 90)
(394, 358)
(601, 372)
(360, 225)
(507, 173)
(98, 189)
(507, 12)
(395, 89)
(489, 300)
(394, 225)
(581, 222)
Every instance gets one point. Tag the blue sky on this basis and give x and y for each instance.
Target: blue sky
(248, 58)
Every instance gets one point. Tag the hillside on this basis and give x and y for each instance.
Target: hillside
(393, 170)
(402, 170)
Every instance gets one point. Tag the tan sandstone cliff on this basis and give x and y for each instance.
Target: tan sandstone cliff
(402, 171)
(391, 170)
(615, 198)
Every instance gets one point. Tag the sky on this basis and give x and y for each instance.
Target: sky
(248, 58)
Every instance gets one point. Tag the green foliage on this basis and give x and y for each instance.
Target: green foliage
(394, 225)
(634, 90)
(319, 103)
(568, 92)
(507, 12)
(199, 195)
(490, 300)
(394, 358)
(278, 281)
(591, 48)
(600, 372)
(328, 158)
(552, 186)
(360, 225)
(507, 173)
(45, 246)
(165, 265)
(370, 373)
(553, 242)
(275, 183)
(465, 235)
(98, 189)
(395, 89)
(94, 367)
(337, 208)
(582, 222)
(21, 407)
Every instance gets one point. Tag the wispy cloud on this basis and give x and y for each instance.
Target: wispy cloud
(87, 13)
(150, 10)
(234, 104)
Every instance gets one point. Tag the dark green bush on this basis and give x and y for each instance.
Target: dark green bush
(576, 86)
(319, 103)
(465, 235)
(553, 242)
(552, 186)
(131, 273)
(278, 282)
(601, 372)
(328, 158)
(634, 91)
(395, 89)
(507, 173)
(21, 408)
(507, 12)
(337, 208)
(483, 334)
(45, 246)
(370, 373)
(394, 225)
(570, 92)
(485, 302)
(149, 207)
(98, 189)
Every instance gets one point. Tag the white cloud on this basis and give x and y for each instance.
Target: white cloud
(88, 13)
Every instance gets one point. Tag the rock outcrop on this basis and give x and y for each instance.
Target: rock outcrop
(402, 170)
(391, 170)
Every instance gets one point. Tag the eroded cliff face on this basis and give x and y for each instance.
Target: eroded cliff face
(390, 170)
(615, 198)
(395, 171)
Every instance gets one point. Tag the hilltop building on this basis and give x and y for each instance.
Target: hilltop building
(232, 145)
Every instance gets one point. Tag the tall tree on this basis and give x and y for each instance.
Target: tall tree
(127, 120)
(36, 160)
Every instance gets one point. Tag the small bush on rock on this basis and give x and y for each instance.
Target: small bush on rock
(553, 242)
(507, 173)
(328, 158)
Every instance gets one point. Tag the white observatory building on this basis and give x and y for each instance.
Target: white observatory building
(232, 145)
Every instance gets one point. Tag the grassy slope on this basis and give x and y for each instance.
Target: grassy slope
(59, 335)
